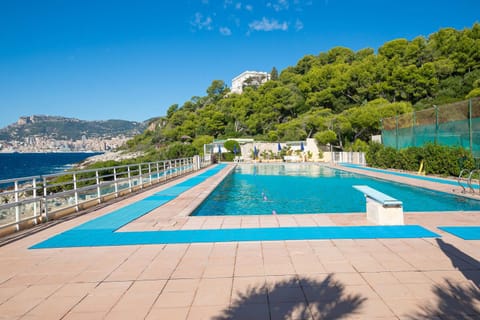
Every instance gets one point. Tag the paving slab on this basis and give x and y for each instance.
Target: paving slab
(360, 278)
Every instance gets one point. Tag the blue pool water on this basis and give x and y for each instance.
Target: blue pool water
(303, 188)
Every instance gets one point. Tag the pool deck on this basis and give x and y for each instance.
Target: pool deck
(422, 278)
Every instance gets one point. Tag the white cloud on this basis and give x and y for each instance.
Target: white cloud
(268, 25)
(238, 6)
(298, 25)
(225, 31)
(249, 7)
(200, 22)
(278, 5)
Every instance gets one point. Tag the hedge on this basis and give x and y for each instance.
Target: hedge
(437, 159)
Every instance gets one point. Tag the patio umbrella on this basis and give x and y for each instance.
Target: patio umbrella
(279, 147)
(254, 152)
(219, 149)
(301, 146)
(235, 149)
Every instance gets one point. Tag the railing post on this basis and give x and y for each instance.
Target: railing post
(140, 180)
(165, 170)
(35, 211)
(75, 190)
(150, 173)
(17, 209)
(158, 171)
(115, 182)
(99, 195)
(129, 179)
(45, 197)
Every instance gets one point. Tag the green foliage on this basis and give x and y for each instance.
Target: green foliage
(437, 159)
(231, 145)
(357, 146)
(199, 141)
(274, 74)
(178, 150)
(325, 137)
(474, 93)
(338, 96)
(228, 156)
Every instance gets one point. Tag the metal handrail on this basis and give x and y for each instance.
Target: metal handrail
(469, 181)
(30, 200)
(459, 179)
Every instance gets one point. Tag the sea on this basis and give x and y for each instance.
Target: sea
(17, 165)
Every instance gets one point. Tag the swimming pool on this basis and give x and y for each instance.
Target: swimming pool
(258, 189)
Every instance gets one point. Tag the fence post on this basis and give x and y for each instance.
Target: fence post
(17, 209)
(165, 170)
(35, 211)
(45, 198)
(150, 173)
(99, 195)
(470, 125)
(115, 182)
(436, 124)
(396, 132)
(75, 191)
(158, 172)
(140, 180)
(129, 179)
(414, 125)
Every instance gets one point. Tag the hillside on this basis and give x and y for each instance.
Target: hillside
(61, 128)
(337, 96)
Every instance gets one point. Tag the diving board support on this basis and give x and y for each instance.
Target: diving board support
(381, 208)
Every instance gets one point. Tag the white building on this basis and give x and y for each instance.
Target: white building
(248, 78)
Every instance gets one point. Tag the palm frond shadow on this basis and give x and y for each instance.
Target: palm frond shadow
(325, 299)
(455, 300)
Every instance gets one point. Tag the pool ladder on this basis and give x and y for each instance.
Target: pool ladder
(468, 180)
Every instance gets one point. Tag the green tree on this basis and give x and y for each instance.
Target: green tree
(274, 74)
(232, 145)
(325, 137)
(217, 90)
(200, 141)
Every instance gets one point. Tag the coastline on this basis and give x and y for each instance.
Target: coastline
(108, 156)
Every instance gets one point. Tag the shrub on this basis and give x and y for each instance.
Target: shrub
(228, 156)
(230, 145)
(438, 159)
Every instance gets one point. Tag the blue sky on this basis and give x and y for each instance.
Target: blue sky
(98, 60)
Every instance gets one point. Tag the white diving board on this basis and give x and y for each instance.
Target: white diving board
(381, 208)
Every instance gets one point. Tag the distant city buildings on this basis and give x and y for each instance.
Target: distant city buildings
(44, 144)
(248, 79)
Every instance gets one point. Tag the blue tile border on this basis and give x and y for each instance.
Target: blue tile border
(407, 175)
(463, 232)
(102, 230)
(93, 238)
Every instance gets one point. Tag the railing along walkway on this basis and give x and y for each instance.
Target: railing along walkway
(28, 201)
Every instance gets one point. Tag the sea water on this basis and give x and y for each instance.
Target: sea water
(16, 165)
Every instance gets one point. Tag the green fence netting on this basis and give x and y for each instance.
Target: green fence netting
(455, 124)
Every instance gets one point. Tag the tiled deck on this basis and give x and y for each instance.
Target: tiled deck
(317, 279)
